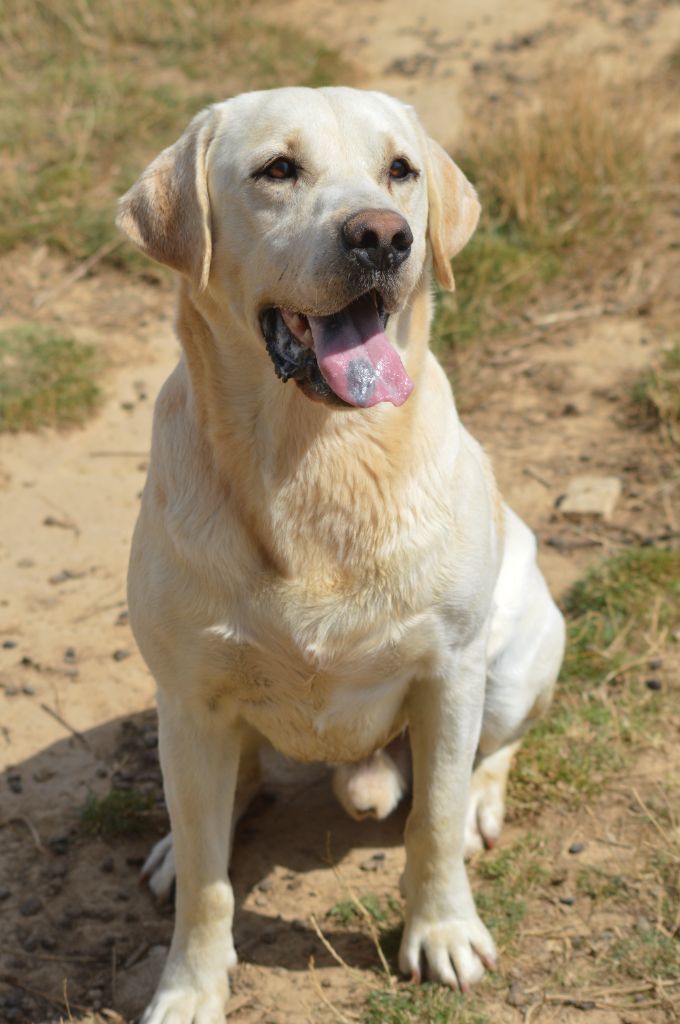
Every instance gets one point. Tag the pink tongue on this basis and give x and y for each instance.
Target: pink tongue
(357, 359)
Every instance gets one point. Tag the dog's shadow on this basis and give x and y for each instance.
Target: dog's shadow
(70, 855)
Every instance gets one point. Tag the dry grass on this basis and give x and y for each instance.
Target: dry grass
(93, 90)
(565, 189)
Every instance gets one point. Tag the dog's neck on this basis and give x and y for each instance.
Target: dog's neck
(287, 449)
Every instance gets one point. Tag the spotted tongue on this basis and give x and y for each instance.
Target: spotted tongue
(356, 357)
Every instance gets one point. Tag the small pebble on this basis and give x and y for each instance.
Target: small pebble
(653, 684)
(4, 893)
(11, 691)
(14, 780)
(120, 654)
(265, 885)
(59, 844)
(655, 663)
(568, 901)
(122, 619)
(70, 655)
(28, 690)
(9, 644)
(577, 848)
(30, 906)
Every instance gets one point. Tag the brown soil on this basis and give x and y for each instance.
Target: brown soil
(75, 712)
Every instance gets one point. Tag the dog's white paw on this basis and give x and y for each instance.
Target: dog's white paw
(370, 788)
(188, 1005)
(455, 951)
(484, 820)
(159, 869)
(486, 808)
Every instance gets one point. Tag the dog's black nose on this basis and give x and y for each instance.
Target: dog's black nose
(377, 239)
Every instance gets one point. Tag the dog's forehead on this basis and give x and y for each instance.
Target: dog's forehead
(330, 119)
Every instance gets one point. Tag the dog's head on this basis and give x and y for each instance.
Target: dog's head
(306, 214)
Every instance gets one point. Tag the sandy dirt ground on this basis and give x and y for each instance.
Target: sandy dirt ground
(76, 698)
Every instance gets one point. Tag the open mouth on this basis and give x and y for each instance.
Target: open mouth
(344, 357)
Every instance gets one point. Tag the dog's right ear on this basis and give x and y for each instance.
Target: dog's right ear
(166, 213)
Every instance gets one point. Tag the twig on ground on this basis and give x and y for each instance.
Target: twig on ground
(323, 997)
(565, 316)
(528, 471)
(652, 818)
(11, 979)
(334, 953)
(70, 728)
(20, 820)
(81, 270)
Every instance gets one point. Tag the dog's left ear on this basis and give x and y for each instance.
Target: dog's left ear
(166, 213)
(453, 212)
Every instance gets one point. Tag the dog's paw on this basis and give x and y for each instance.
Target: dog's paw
(486, 808)
(159, 869)
(454, 951)
(188, 1005)
(370, 789)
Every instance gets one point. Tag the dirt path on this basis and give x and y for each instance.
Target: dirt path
(548, 406)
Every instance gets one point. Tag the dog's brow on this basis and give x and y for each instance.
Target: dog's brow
(288, 147)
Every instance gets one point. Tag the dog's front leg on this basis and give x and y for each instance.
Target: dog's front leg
(442, 926)
(199, 756)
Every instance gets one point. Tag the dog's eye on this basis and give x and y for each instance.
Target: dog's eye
(280, 169)
(401, 168)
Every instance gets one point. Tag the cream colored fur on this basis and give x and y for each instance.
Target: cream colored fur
(314, 577)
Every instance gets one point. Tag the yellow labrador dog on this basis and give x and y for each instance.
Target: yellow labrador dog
(322, 557)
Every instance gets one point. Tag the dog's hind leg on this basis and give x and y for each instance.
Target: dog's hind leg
(524, 655)
(486, 808)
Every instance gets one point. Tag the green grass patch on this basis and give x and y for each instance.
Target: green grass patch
(93, 91)
(423, 1004)
(119, 813)
(46, 379)
(656, 393)
(346, 911)
(599, 884)
(507, 877)
(563, 185)
(617, 616)
(647, 953)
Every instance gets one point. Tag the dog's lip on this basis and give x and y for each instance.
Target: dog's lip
(297, 322)
(385, 310)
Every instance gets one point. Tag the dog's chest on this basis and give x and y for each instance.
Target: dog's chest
(324, 688)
